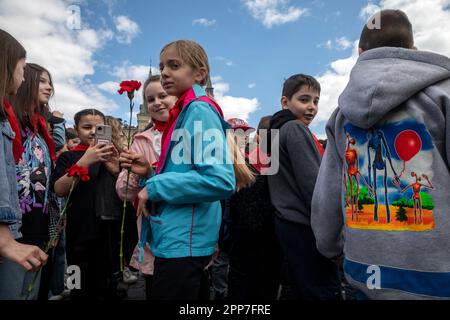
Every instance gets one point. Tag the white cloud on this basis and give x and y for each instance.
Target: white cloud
(128, 71)
(68, 54)
(232, 107)
(368, 11)
(131, 72)
(329, 44)
(203, 22)
(430, 19)
(343, 43)
(340, 44)
(94, 39)
(127, 28)
(227, 62)
(251, 85)
(274, 12)
(109, 86)
(333, 83)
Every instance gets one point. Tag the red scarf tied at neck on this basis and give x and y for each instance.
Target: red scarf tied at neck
(39, 126)
(159, 125)
(80, 147)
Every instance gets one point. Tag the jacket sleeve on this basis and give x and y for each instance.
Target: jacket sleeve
(141, 146)
(211, 178)
(7, 214)
(304, 157)
(64, 162)
(59, 135)
(327, 219)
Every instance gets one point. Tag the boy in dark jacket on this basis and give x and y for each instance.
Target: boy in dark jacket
(313, 276)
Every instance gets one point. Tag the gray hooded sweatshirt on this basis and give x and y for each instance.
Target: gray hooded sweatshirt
(382, 197)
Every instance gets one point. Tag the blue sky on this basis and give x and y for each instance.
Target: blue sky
(242, 51)
(253, 45)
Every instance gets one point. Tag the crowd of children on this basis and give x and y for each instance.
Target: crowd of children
(205, 210)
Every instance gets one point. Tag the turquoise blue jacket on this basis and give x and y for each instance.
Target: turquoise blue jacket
(187, 194)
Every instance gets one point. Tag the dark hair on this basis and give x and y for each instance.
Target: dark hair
(395, 31)
(295, 82)
(26, 101)
(87, 112)
(71, 133)
(264, 123)
(11, 51)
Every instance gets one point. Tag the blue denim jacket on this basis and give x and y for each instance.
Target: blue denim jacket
(9, 202)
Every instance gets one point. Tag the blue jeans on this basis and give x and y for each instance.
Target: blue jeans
(14, 281)
(59, 266)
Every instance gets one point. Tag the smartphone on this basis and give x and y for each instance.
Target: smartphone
(103, 134)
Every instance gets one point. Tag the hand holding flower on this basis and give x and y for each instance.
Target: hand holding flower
(136, 162)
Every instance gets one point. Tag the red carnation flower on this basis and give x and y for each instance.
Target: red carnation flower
(77, 171)
(129, 86)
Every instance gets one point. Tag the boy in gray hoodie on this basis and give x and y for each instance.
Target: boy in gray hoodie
(381, 197)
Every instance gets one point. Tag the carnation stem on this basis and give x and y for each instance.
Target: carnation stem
(126, 190)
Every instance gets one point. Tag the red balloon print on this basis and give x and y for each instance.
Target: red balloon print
(407, 144)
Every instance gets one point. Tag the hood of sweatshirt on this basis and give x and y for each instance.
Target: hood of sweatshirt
(280, 118)
(372, 91)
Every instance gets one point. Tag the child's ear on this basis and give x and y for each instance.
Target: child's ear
(201, 74)
(284, 102)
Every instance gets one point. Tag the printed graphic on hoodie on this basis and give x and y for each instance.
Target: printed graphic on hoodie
(388, 176)
(33, 171)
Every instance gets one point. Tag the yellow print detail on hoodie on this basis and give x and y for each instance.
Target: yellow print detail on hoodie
(388, 176)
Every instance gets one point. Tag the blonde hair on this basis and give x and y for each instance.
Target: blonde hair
(117, 136)
(193, 54)
(244, 176)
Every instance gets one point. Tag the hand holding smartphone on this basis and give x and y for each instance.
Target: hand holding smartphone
(103, 134)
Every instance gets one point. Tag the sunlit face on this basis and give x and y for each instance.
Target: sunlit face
(17, 76)
(45, 88)
(158, 101)
(177, 76)
(86, 128)
(304, 104)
